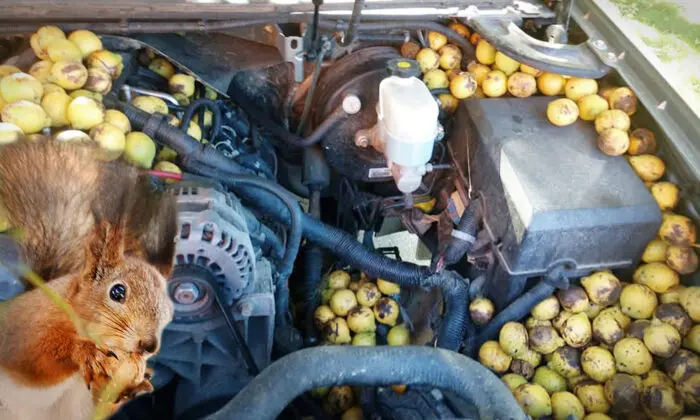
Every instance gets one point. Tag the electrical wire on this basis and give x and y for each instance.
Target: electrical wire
(198, 105)
(165, 175)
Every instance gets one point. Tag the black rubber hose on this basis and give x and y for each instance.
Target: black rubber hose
(516, 310)
(269, 239)
(383, 38)
(295, 223)
(196, 157)
(375, 265)
(258, 231)
(464, 236)
(295, 227)
(322, 366)
(189, 150)
(454, 289)
(466, 47)
(354, 21)
(203, 103)
(280, 131)
(455, 322)
(337, 241)
(313, 265)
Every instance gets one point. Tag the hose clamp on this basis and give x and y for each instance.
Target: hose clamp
(463, 236)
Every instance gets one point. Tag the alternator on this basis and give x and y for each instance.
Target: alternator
(214, 251)
(213, 237)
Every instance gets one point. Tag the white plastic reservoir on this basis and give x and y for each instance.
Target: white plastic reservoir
(408, 120)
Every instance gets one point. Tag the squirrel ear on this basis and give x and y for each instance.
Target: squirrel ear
(104, 250)
(153, 222)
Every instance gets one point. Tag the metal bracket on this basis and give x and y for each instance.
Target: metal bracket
(292, 50)
(505, 35)
(603, 51)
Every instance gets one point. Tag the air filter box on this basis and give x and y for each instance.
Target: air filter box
(551, 198)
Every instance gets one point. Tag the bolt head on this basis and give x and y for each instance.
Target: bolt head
(361, 141)
(351, 104)
(186, 293)
(600, 44)
(246, 308)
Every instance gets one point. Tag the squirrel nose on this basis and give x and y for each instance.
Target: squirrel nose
(149, 345)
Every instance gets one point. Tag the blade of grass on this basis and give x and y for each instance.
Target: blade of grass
(24, 271)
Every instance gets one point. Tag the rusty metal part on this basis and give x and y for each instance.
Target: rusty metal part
(359, 74)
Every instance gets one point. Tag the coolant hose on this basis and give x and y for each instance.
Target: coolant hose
(189, 150)
(266, 396)
(454, 289)
(200, 159)
(464, 236)
(216, 116)
(516, 310)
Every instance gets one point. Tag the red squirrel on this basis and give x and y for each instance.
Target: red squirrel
(103, 237)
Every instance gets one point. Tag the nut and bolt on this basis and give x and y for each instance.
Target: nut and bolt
(600, 44)
(246, 308)
(361, 141)
(186, 293)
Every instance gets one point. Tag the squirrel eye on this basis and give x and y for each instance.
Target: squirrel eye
(117, 293)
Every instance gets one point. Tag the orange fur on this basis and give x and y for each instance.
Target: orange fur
(87, 226)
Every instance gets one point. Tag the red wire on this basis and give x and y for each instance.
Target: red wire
(165, 175)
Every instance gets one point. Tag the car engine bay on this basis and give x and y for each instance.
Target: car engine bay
(294, 143)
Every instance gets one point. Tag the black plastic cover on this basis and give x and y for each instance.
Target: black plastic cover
(552, 198)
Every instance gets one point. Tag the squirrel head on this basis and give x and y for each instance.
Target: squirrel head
(120, 295)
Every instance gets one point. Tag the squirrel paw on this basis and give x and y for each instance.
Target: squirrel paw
(114, 376)
(95, 364)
